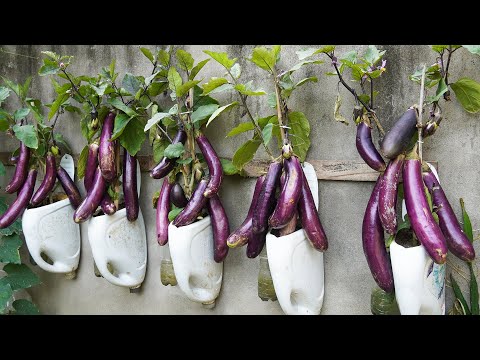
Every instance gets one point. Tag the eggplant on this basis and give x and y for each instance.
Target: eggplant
(108, 205)
(387, 205)
(245, 232)
(106, 150)
(166, 165)
(20, 204)
(163, 208)
(69, 187)
(195, 205)
(214, 165)
(92, 163)
(256, 243)
(309, 218)
(457, 242)
(92, 200)
(177, 196)
(21, 170)
(289, 195)
(423, 224)
(48, 181)
(374, 243)
(367, 149)
(220, 227)
(266, 199)
(130, 185)
(397, 139)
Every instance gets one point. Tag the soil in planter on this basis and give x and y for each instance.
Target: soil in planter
(406, 238)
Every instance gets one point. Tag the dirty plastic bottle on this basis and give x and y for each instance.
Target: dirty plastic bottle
(383, 303)
(266, 290)
(167, 273)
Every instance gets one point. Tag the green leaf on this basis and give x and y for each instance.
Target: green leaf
(459, 295)
(148, 54)
(159, 147)
(174, 151)
(373, 55)
(474, 306)
(441, 89)
(246, 89)
(200, 100)
(21, 114)
(184, 88)
(228, 167)
(468, 94)
(121, 121)
(185, 60)
(51, 54)
(27, 135)
(82, 162)
(4, 93)
(133, 136)
(56, 104)
(336, 112)
(265, 58)
(474, 49)
(15, 228)
(304, 81)
(303, 54)
(236, 71)
(467, 225)
(149, 79)
(299, 133)
(220, 110)
(221, 88)
(2, 169)
(267, 133)
(49, 68)
(155, 119)
(157, 87)
(243, 127)
(213, 84)
(303, 63)
(6, 293)
(272, 100)
(118, 104)
(389, 240)
(173, 213)
(13, 86)
(439, 48)
(222, 58)
(19, 276)
(203, 112)
(174, 79)
(173, 110)
(25, 307)
(245, 153)
(100, 90)
(9, 246)
(131, 83)
(185, 161)
(197, 69)
(35, 105)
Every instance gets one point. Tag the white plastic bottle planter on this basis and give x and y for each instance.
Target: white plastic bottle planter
(49, 230)
(120, 245)
(197, 273)
(296, 267)
(419, 282)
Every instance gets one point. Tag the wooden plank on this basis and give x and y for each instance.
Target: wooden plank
(330, 170)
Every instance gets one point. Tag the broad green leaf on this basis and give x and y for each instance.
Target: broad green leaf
(303, 54)
(196, 69)
(56, 104)
(9, 246)
(267, 133)
(27, 135)
(468, 94)
(133, 136)
(16, 227)
(25, 307)
(212, 84)
(304, 81)
(51, 54)
(149, 79)
(474, 49)
(184, 59)
(4, 94)
(203, 112)
(243, 127)
(173, 213)
(35, 105)
(118, 104)
(220, 110)
(121, 121)
(174, 151)
(467, 225)
(163, 57)
(262, 122)
(26, 86)
(184, 88)
(245, 89)
(2, 169)
(336, 112)
(236, 71)
(350, 56)
(272, 100)
(265, 58)
(441, 89)
(19, 276)
(221, 88)
(4, 124)
(222, 58)
(49, 68)
(185, 161)
(60, 89)
(299, 133)
(228, 167)
(200, 100)
(155, 119)
(459, 295)
(100, 90)
(148, 54)
(155, 88)
(159, 147)
(373, 55)
(303, 63)
(439, 48)
(245, 153)
(474, 305)
(82, 162)
(12, 86)
(174, 79)
(6, 293)
(173, 110)
(131, 83)
(21, 114)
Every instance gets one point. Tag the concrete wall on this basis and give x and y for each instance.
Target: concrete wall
(342, 204)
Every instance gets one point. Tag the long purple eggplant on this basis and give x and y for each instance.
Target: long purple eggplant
(20, 204)
(289, 195)
(397, 139)
(92, 163)
(177, 196)
(374, 242)
(163, 208)
(423, 224)
(93, 199)
(244, 232)
(367, 149)
(214, 165)
(457, 241)
(106, 150)
(255, 244)
(69, 187)
(220, 227)
(130, 185)
(266, 199)
(166, 165)
(309, 218)
(48, 181)
(195, 205)
(108, 205)
(21, 170)
(387, 205)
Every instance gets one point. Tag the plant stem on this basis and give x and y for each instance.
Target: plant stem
(280, 115)
(146, 86)
(117, 91)
(78, 91)
(420, 114)
(371, 92)
(165, 133)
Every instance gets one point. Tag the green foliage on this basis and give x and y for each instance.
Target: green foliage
(174, 151)
(82, 162)
(222, 58)
(266, 58)
(27, 134)
(174, 212)
(19, 276)
(25, 307)
(228, 167)
(246, 152)
(9, 249)
(468, 94)
(217, 112)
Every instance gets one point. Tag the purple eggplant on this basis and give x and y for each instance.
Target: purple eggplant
(92, 163)
(289, 195)
(367, 149)
(244, 232)
(397, 139)
(309, 218)
(130, 185)
(108, 205)
(48, 181)
(457, 241)
(255, 244)
(220, 227)
(163, 208)
(20, 204)
(21, 170)
(374, 242)
(214, 165)
(93, 199)
(266, 199)
(106, 150)
(387, 205)
(69, 187)
(166, 165)
(423, 224)
(177, 196)
(195, 205)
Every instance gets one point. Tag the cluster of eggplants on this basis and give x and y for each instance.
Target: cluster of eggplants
(268, 211)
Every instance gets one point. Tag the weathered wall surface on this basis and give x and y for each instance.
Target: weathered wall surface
(348, 281)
